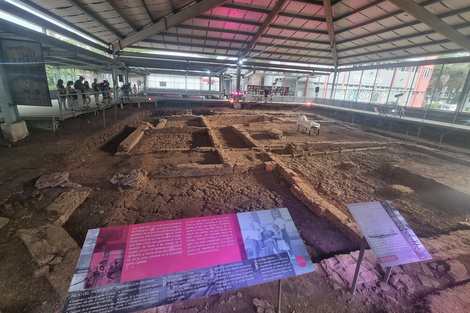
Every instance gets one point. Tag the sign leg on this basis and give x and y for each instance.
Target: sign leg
(279, 297)
(387, 274)
(358, 266)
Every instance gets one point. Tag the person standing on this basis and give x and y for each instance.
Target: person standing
(266, 93)
(96, 91)
(105, 91)
(135, 90)
(80, 87)
(87, 94)
(62, 94)
(71, 94)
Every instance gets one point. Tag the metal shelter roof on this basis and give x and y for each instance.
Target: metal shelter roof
(311, 33)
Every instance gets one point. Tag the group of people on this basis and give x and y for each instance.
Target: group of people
(104, 274)
(261, 241)
(81, 89)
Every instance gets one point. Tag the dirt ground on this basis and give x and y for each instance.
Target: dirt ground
(430, 191)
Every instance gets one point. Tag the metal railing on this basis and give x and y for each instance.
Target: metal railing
(450, 118)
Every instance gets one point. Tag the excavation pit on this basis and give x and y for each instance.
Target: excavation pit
(172, 138)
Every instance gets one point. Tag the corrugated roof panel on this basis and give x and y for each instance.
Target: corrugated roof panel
(227, 36)
(450, 45)
(454, 20)
(341, 8)
(438, 8)
(158, 46)
(282, 20)
(242, 37)
(311, 9)
(288, 33)
(295, 7)
(273, 31)
(184, 31)
(248, 28)
(374, 27)
(436, 37)
(311, 36)
(238, 45)
(158, 8)
(465, 31)
(314, 25)
(387, 7)
(456, 4)
(199, 22)
(198, 33)
(167, 38)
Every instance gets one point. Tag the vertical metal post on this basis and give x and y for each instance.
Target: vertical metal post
(279, 297)
(464, 94)
(221, 80)
(391, 85)
(239, 74)
(435, 87)
(411, 87)
(387, 274)
(373, 88)
(358, 266)
(210, 87)
(347, 84)
(359, 86)
(333, 85)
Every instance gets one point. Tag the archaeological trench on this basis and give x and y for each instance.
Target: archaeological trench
(161, 164)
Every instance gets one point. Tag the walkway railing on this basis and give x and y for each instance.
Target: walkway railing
(425, 114)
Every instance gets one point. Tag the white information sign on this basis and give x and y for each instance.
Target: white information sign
(390, 237)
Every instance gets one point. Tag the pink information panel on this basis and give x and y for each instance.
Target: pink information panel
(134, 267)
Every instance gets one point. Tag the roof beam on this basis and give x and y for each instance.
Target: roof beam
(352, 12)
(168, 22)
(258, 10)
(407, 37)
(391, 14)
(423, 15)
(399, 49)
(170, 3)
(14, 10)
(441, 16)
(405, 64)
(47, 13)
(307, 30)
(224, 41)
(147, 10)
(326, 43)
(262, 28)
(121, 14)
(331, 29)
(94, 17)
(129, 56)
(13, 28)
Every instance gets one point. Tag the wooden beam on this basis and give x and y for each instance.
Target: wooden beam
(331, 29)
(432, 21)
(167, 22)
(277, 7)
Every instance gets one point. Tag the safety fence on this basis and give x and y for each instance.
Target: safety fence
(450, 118)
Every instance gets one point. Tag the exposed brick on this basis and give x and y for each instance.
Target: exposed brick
(127, 144)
